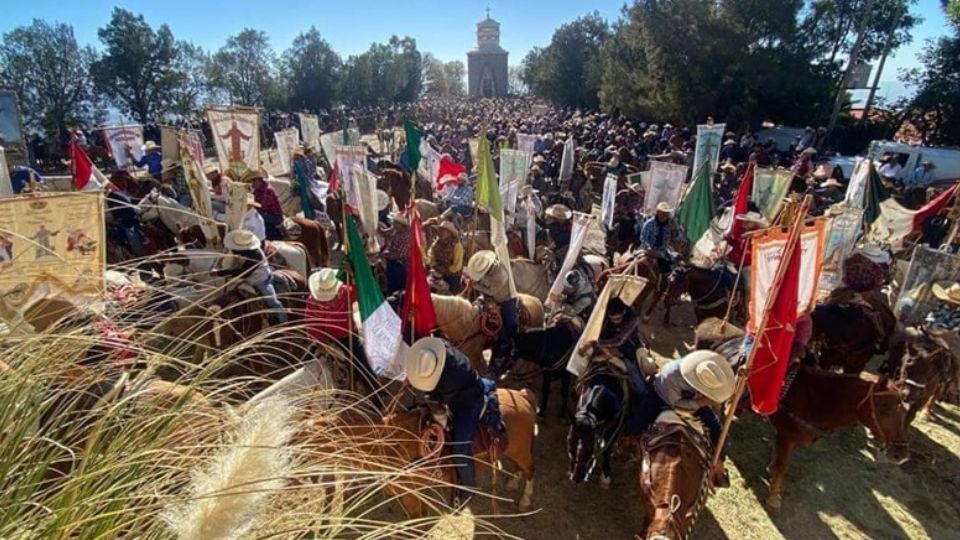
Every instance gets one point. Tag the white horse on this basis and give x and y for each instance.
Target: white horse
(173, 215)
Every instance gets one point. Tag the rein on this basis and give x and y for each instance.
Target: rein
(871, 393)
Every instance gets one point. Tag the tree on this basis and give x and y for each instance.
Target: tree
(389, 72)
(244, 67)
(311, 69)
(50, 73)
(442, 79)
(515, 84)
(568, 72)
(188, 99)
(138, 69)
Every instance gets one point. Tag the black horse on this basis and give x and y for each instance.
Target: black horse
(602, 409)
(549, 348)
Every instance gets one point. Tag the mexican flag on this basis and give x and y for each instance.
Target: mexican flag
(380, 325)
(86, 176)
(696, 210)
(413, 144)
(894, 223)
(417, 308)
(488, 196)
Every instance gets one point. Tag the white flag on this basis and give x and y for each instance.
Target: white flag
(577, 235)
(568, 159)
(608, 201)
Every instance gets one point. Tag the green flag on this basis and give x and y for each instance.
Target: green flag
(696, 210)
(876, 193)
(413, 144)
(488, 191)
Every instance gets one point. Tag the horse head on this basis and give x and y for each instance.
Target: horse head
(920, 370)
(676, 284)
(149, 206)
(598, 410)
(884, 413)
(674, 482)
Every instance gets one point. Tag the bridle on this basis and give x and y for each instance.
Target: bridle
(870, 398)
(601, 443)
(674, 504)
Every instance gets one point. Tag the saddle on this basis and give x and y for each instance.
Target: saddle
(670, 422)
(491, 322)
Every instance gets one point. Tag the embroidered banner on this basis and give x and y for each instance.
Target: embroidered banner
(513, 166)
(347, 158)
(769, 189)
(236, 137)
(709, 140)
(664, 183)
(927, 266)
(843, 231)
(124, 141)
(310, 131)
(236, 203)
(288, 140)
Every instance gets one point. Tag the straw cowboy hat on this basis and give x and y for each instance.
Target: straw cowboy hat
(383, 200)
(708, 373)
(149, 145)
(424, 363)
(241, 240)
(252, 201)
(528, 190)
(755, 218)
(324, 284)
(559, 212)
(728, 166)
(480, 264)
(831, 182)
(664, 207)
(875, 253)
(252, 175)
(948, 291)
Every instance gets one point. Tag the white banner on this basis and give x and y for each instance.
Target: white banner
(6, 187)
(123, 141)
(349, 157)
(624, 287)
(367, 190)
(199, 188)
(568, 160)
(236, 203)
(663, 183)
(709, 141)
(857, 187)
(236, 137)
(526, 143)
(310, 131)
(578, 234)
(843, 231)
(287, 141)
(767, 251)
(513, 166)
(330, 141)
(429, 163)
(769, 190)
(508, 197)
(169, 146)
(531, 211)
(608, 201)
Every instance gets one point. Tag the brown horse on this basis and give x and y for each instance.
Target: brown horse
(817, 402)
(520, 417)
(923, 366)
(709, 291)
(848, 335)
(397, 184)
(674, 476)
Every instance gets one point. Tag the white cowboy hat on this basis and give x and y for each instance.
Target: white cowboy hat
(729, 142)
(948, 291)
(324, 284)
(383, 200)
(210, 167)
(755, 218)
(809, 151)
(664, 207)
(399, 218)
(424, 363)
(831, 182)
(875, 253)
(538, 159)
(479, 264)
(708, 373)
(241, 240)
(559, 212)
(149, 145)
(528, 190)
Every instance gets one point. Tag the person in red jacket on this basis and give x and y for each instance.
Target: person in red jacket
(329, 321)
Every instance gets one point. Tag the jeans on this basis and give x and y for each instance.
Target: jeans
(269, 294)
(651, 405)
(396, 276)
(272, 223)
(466, 419)
(131, 234)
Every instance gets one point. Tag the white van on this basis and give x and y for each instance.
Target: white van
(945, 160)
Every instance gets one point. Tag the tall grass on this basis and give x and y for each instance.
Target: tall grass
(83, 457)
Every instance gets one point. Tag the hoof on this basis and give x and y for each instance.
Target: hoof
(524, 504)
(774, 502)
(513, 483)
(646, 319)
(605, 482)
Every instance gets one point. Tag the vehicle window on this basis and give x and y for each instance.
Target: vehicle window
(902, 159)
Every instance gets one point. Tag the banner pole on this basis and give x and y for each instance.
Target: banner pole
(744, 371)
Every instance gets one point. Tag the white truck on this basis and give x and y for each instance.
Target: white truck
(946, 161)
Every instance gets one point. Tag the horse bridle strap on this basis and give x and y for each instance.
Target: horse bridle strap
(871, 393)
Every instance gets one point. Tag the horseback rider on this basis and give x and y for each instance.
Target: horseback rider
(579, 296)
(621, 337)
(658, 234)
(489, 276)
(254, 269)
(434, 366)
(446, 255)
(693, 384)
(559, 224)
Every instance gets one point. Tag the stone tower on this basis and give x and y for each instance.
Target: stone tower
(487, 64)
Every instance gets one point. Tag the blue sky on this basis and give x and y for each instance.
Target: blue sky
(444, 28)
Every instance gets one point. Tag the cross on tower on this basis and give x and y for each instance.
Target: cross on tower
(488, 12)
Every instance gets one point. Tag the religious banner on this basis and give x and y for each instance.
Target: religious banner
(770, 187)
(927, 266)
(622, 286)
(347, 158)
(366, 184)
(199, 188)
(190, 138)
(124, 141)
(843, 231)
(310, 131)
(6, 187)
(709, 141)
(513, 166)
(508, 194)
(895, 222)
(664, 184)
(857, 187)
(526, 143)
(330, 141)
(236, 137)
(767, 251)
(608, 201)
(578, 234)
(169, 147)
(530, 208)
(52, 244)
(568, 160)
(288, 140)
(429, 163)
(236, 203)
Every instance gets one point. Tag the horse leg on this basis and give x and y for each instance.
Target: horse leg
(544, 393)
(657, 296)
(526, 499)
(565, 413)
(666, 313)
(605, 473)
(927, 405)
(778, 470)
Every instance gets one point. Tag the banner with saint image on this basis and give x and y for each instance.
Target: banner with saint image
(236, 137)
(124, 142)
(664, 183)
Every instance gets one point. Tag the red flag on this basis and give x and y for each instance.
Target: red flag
(81, 165)
(448, 167)
(741, 202)
(933, 207)
(773, 348)
(417, 303)
(333, 180)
